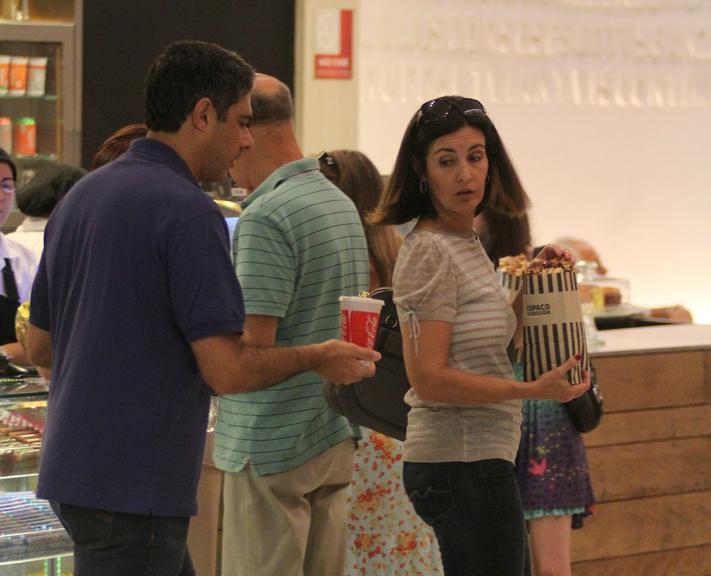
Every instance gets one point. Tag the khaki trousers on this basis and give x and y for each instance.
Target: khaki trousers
(203, 538)
(288, 524)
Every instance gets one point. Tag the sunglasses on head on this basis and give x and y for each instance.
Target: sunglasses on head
(440, 108)
(327, 160)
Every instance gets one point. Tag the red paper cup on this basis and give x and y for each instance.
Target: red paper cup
(359, 320)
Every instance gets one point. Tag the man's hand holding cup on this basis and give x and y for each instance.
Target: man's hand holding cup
(346, 363)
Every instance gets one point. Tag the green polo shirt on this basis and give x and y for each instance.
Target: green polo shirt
(298, 246)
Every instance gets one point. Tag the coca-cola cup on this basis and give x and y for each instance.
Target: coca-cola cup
(359, 320)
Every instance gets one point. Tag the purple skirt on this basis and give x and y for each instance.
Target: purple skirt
(551, 465)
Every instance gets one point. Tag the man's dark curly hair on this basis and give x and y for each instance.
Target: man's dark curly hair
(187, 71)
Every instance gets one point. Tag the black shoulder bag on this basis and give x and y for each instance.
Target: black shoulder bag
(586, 410)
(378, 402)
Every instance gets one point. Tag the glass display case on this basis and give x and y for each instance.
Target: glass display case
(603, 296)
(39, 96)
(32, 540)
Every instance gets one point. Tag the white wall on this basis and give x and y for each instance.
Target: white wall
(605, 106)
(326, 110)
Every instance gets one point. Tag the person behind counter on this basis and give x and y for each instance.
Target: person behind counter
(583, 250)
(38, 198)
(18, 264)
(464, 424)
(136, 307)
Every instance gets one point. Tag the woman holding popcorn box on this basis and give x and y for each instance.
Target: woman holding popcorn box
(464, 423)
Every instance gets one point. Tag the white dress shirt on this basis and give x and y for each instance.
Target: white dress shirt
(30, 234)
(24, 266)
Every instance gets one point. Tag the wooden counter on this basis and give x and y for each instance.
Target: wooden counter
(650, 458)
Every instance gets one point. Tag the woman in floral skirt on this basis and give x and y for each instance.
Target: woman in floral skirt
(385, 535)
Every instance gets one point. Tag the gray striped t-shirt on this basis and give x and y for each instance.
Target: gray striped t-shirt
(448, 277)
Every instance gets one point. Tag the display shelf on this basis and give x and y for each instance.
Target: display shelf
(39, 558)
(18, 476)
(41, 123)
(14, 388)
(29, 529)
(50, 102)
(38, 10)
(39, 157)
(44, 97)
(32, 539)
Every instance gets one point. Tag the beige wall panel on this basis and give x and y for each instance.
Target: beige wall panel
(645, 525)
(651, 380)
(683, 562)
(326, 110)
(651, 469)
(650, 425)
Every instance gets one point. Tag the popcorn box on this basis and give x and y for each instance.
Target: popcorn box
(510, 273)
(553, 328)
(510, 283)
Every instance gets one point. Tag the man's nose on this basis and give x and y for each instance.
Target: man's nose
(247, 140)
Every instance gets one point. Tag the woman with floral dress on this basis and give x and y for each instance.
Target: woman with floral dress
(385, 535)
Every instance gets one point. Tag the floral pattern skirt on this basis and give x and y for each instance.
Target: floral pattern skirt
(385, 535)
(551, 465)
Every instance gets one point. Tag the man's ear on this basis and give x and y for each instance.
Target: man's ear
(202, 113)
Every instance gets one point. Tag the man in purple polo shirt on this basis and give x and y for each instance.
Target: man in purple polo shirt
(136, 308)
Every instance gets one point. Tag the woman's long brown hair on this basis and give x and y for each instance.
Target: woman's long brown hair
(355, 174)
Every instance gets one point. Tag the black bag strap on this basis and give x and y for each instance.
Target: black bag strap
(388, 314)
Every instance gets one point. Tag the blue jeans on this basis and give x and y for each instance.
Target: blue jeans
(116, 544)
(476, 512)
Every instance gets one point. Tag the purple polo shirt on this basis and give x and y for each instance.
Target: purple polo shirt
(136, 266)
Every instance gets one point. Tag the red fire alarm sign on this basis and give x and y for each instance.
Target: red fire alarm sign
(334, 44)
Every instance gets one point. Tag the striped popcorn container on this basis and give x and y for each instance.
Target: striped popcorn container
(509, 282)
(553, 328)
(511, 285)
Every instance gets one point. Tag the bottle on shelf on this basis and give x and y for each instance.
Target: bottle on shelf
(4, 74)
(6, 134)
(36, 76)
(18, 75)
(25, 141)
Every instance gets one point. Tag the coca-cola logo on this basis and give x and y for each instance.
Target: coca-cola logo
(345, 332)
(371, 328)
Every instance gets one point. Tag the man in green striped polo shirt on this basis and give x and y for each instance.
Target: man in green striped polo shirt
(287, 456)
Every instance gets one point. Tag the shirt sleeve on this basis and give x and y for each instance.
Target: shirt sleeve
(265, 264)
(204, 291)
(424, 282)
(39, 302)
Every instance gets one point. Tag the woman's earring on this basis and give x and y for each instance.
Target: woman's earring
(423, 187)
(487, 178)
